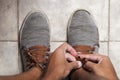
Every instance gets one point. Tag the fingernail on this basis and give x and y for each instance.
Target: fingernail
(78, 52)
(79, 64)
(70, 59)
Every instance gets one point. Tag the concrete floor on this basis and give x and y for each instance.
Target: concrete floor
(106, 14)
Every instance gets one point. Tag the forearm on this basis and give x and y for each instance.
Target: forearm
(52, 77)
(33, 74)
(7, 78)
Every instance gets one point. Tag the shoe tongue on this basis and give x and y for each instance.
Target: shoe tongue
(84, 49)
(39, 54)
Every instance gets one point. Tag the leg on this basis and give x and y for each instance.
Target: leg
(34, 42)
(34, 47)
(32, 74)
(83, 36)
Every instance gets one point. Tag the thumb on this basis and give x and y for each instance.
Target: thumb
(75, 65)
(90, 66)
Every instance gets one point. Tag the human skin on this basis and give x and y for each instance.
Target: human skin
(59, 67)
(32, 74)
(62, 63)
(102, 70)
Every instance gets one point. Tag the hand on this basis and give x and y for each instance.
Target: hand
(59, 67)
(103, 68)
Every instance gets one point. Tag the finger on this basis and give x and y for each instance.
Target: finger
(75, 65)
(71, 50)
(90, 66)
(69, 57)
(60, 51)
(92, 57)
(66, 47)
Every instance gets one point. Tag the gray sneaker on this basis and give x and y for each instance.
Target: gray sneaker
(83, 36)
(34, 41)
(82, 31)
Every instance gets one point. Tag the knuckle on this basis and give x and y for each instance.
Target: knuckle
(75, 63)
(75, 66)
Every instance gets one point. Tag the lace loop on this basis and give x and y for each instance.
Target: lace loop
(38, 56)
